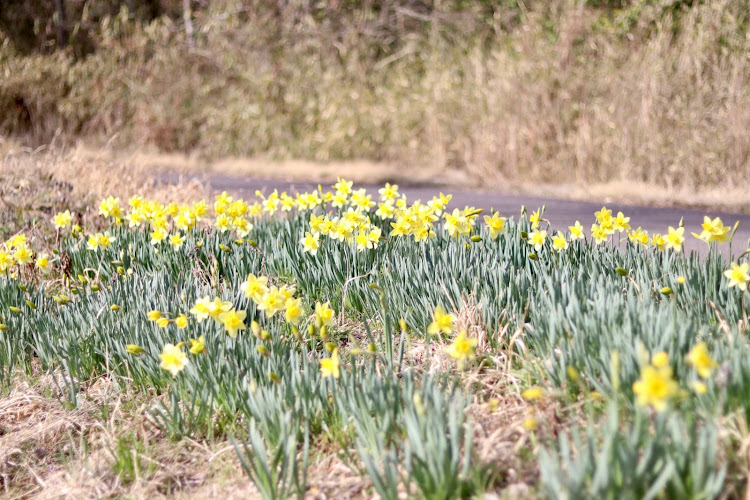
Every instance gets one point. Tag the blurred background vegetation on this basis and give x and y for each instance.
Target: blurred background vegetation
(583, 91)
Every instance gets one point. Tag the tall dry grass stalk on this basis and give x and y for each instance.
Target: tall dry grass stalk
(565, 93)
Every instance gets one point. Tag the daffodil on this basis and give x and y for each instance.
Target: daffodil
(233, 321)
(200, 309)
(110, 207)
(576, 231)
(698, 387)
(463, 347)
(158, 235)
(620, 222)
(6, 260)
(533, 394)
(658, 241)
(675, 238)
(529, 424)
(701, 359)
(714, 230)
(443, 322)
(255, 287)
(293, 310)
(738, 275)
(495, 224)
(42, 262)
(162, 322)
(535, 218)
(660, 359)
(329, 367)
(272, 302)
(176, 240)
(23, 255)
(324, 314)
(655, 387)
(603, 215)
(217, 307)
(62, 219)
(181, 321)
(154, 315)
(559, 242)
(311, 243)
(173, 359)
(599, 234)
(638, 236)
(537, 238)
(197, 346)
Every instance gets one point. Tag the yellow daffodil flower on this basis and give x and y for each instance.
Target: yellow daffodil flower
(173, 359)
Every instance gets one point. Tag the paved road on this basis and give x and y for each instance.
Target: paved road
(560, 213)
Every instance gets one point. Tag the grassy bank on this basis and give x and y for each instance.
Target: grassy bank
(350, 344)
(584, 92)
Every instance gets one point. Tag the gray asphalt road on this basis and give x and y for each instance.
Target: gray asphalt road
(560, 213)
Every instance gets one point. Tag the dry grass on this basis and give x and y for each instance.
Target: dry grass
(48, 451)
(566, 93)
(35, 184)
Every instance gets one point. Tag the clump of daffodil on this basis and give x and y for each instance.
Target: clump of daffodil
(100, 240)
(714, 230)
(738, 275)
(638, 237)
(442, 322)
(173, 359)
(701, 360)
(656, 386)
(273, 301)
(206, 307)
(329, 367)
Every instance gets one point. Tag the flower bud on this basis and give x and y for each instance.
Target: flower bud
(666, 291)
(134, 349)
(622, 271)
